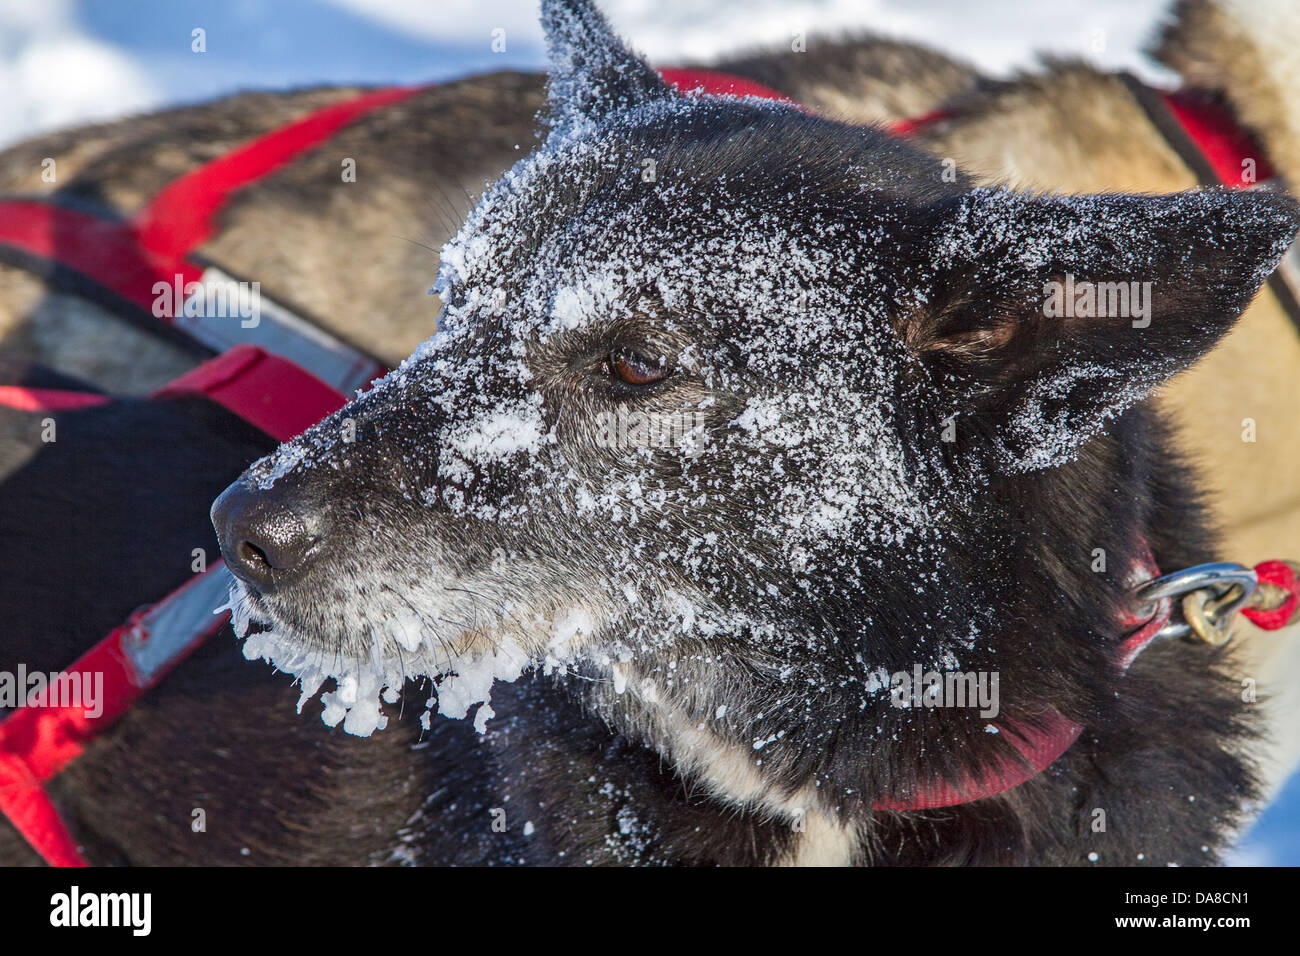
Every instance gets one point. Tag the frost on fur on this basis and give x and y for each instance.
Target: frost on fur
(592, 72)
(361, 683)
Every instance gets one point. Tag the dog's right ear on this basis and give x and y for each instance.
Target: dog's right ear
(593, 74)
(1043, 317)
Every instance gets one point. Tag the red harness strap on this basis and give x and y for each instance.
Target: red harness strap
(690, 80)
(183, 215)
(1207, 138)
(132, 259)
(48, 399)
(42, 737)
(1220, 143)
(263, 389)
(712, 83)
(129, 260)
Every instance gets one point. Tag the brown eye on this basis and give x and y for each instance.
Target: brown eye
(635, 369)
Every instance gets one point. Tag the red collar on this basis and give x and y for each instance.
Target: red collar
(1042, 743)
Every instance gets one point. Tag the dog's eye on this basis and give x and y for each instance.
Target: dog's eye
(634, 368)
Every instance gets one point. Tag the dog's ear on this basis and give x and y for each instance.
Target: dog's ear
(1045, 316)
(592, 73)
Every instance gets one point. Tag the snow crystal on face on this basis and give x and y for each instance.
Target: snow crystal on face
(283, 461)
(500, 434)
(575, 306)
(762, 419)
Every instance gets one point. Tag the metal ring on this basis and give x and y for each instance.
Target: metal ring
(1220, 578)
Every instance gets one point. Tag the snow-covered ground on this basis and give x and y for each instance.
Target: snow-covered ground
(64, 62)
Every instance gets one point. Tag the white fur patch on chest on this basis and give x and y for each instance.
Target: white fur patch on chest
(730, 774)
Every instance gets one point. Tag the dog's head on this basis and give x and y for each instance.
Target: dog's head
(719, 378)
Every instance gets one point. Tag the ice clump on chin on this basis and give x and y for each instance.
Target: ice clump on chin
(361, 683)
(472, 684)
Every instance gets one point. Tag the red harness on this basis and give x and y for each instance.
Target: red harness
(38, 740)
(125, 262)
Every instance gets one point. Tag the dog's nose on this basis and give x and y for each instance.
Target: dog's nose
(264, 541)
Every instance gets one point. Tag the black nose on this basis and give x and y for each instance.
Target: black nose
(266, 542)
